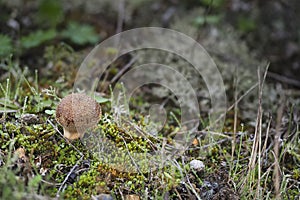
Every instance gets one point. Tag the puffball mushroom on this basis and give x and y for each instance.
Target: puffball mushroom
(76, 113)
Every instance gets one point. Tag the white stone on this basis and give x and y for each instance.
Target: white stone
(197, 165)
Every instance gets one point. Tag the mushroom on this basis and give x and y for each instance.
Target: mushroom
(76, 113)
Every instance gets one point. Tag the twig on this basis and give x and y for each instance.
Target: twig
(178, 195)
(67, 141)
(128, 65)
(277, 175)
(144, 134)
(284, 79)
(49, 183)
(266, 174)
(75, 166)
(133, 161)
(121, 193)
(67, 177)
(216, 133)
(292, 92)
(189, 185)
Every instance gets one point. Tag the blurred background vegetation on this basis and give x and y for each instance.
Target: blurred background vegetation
(270, 28)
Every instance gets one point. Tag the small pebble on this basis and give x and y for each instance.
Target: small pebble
(197, 165)
(223, 163)
(132, 197)
(102, 197)
(30, 118)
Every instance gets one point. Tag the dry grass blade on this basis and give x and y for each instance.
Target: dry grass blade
(256, 150)
(126, 67)
(132, 159)
(235, 117)
(232, 106)
(277, 175)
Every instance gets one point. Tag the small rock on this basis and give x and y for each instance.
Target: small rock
(132, 197)
(102, 197)
(223, 163)
(197, 165)
(30, 118)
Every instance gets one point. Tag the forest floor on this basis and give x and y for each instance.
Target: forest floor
(135, 155)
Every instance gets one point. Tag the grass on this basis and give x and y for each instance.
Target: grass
(245, 162)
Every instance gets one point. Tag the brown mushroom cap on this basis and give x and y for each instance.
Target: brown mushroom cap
(76, 113)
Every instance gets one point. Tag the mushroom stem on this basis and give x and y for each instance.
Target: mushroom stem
(71, 135)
